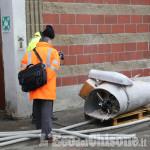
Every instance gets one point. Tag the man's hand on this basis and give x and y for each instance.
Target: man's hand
(62, 57)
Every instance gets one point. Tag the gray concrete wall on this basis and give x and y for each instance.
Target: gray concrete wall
(17, 104)
(8, 50)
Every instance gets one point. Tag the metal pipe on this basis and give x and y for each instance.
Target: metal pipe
(11, 133)
(78, 124)
(6, 134)
(13, 141)
(113, 127)
(92, 137)
(19, 136)
(116, 135)
(31, 131)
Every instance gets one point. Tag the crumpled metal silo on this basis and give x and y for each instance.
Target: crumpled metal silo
(113, 94)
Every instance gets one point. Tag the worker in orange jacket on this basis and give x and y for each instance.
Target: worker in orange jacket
(32, 44)
(43, 97)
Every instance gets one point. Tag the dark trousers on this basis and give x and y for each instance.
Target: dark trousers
(33, 110)
(43, 114)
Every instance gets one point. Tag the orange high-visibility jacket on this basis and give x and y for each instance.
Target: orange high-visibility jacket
(51, 59)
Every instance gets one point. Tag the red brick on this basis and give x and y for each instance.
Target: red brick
(82, 19)
(136, 55)
(142, 28)
(75, 49)
(137, 72)
(50, 0)
(66, 81)
(96, 1)
(146, 54)
(75, 29)
(142, 46)
(64, 49)
(98, 58)
(104, 48)
(111, 19)
(146, 2)
(90, 49)
(82, 79)
(136, 2)
(67, 18)
(117, 28)
(110, 1)
(83, 59)
(67, 1)
(130, 46)
(111, 57)
(90, 29)
(58, 82)
(130, 28)
(146, 72)
(123, 19)
(126, 73)
(104, 28)
(146, 19)
(60, 29)
(136, 18)
(97, 19)
(118, 47)
(50, 18)
(124, 56)
(82, 1)
(123, 1)
(70, 60)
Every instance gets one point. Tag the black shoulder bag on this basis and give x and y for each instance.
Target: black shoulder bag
(34, 76)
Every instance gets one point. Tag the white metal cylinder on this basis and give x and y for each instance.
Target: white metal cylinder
(116, 99)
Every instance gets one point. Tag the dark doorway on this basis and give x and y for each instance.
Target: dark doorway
(2, 87)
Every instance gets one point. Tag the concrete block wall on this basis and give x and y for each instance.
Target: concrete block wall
(34, 20)
(101, 34)
(108, 35)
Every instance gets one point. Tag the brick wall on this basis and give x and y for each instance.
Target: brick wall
(100, 34)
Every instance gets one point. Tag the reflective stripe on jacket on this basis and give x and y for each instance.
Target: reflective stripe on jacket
(34, 41)
(51, 59)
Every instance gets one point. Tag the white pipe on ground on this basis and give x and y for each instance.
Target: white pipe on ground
(78, 124)
(19, 136)
(13, 141)
(6, 134)
(93, 137)
(114, 127)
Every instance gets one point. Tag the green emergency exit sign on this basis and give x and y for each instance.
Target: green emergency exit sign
(6, 23)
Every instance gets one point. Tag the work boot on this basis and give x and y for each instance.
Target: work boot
(45, 143)
(54, 118)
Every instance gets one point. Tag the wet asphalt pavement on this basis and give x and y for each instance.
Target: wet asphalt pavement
(70, 117)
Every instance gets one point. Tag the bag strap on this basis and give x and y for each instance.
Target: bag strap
(37, 54)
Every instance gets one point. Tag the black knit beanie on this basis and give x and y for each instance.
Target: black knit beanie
(49, 32)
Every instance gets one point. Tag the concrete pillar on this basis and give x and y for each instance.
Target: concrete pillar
(17, 102)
